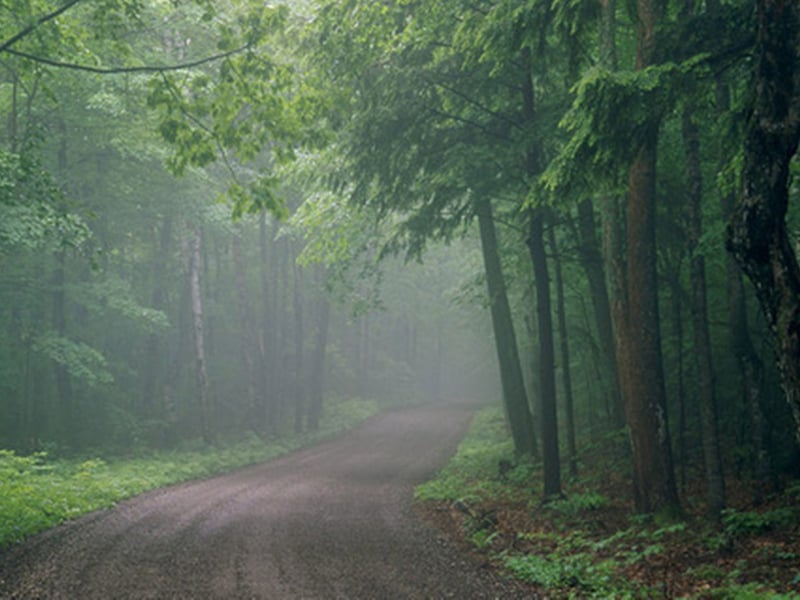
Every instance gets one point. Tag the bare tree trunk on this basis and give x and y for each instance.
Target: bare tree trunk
(201, 373)
(155, 358)
(757, 235)
(547, 363)
(66, 398)
(266, 337)
(318, 357)
(514, 396)
(246, 321)
(592, 262)
(569, 409)
(299, 387)
(715, 479)
(643, 383)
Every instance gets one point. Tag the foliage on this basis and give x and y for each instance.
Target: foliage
(579, 574)
(37, 493)
(747, 523)
(472, 474)
(81, 360)
(589, 545)
(32, 208)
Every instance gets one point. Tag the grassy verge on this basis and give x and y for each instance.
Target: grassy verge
(590, 544)
(37, 493)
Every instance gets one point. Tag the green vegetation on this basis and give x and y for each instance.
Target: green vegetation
(590, 544)
(37, 493)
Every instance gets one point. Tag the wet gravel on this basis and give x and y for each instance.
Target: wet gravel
(333, 521)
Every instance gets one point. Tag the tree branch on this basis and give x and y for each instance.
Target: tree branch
(38, 23)
(117, 70)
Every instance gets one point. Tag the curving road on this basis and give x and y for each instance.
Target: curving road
(333, 521)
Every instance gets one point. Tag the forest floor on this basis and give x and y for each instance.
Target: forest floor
(333, 521)
(589, 544)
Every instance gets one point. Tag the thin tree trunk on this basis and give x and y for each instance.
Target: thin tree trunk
(318, 357)
(246, 322)
(676, 295)
(155, 358)
(592, 262)
(266, 354)
(514, 396)
(715, 480)
(547, 363)
(201, 373)
(299, 336)
(66, 399)
(569, 409)
(757, 234)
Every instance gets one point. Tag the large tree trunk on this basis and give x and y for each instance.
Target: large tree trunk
(757, 234)
(715, 480)
(644, 391)
(198, 324)
(514, 396)
(569, 410)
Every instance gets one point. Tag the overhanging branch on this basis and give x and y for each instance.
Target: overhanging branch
(116, 70)
(38, 23)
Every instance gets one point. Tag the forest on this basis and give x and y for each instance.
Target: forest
(228, 220)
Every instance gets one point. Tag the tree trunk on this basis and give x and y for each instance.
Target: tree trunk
(757, 235)
(155, 359)
(514, 397)
(201, 373)
(569, 410)
(592, 262)
(266, 343)
(547, 363)
(246, 322)
(644, 391)
(675, 296)
(299, 337)
(704, 368)
(66, 400)
(318, 356)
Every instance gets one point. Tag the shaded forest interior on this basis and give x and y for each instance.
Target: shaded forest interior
(215, 218)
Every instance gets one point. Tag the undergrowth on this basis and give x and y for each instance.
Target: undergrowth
(37, 493)
(589, 544)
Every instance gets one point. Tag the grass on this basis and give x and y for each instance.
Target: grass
(590, 544)
(37, 493)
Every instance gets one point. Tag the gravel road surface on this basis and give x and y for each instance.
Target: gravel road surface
(333, 521)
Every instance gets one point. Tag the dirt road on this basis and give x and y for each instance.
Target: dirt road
(333, 521)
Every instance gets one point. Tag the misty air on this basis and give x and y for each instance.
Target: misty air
(377, 299)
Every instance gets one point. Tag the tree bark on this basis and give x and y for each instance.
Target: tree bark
(155, 359)
(266, 338)
(514, 397)
(547, 363)
(318, 356)
(201, 373)
(299, 338)
(704, 368)
(644, 392)
(592, 261)
(247, 343)
(757, 235)
(569, 409)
